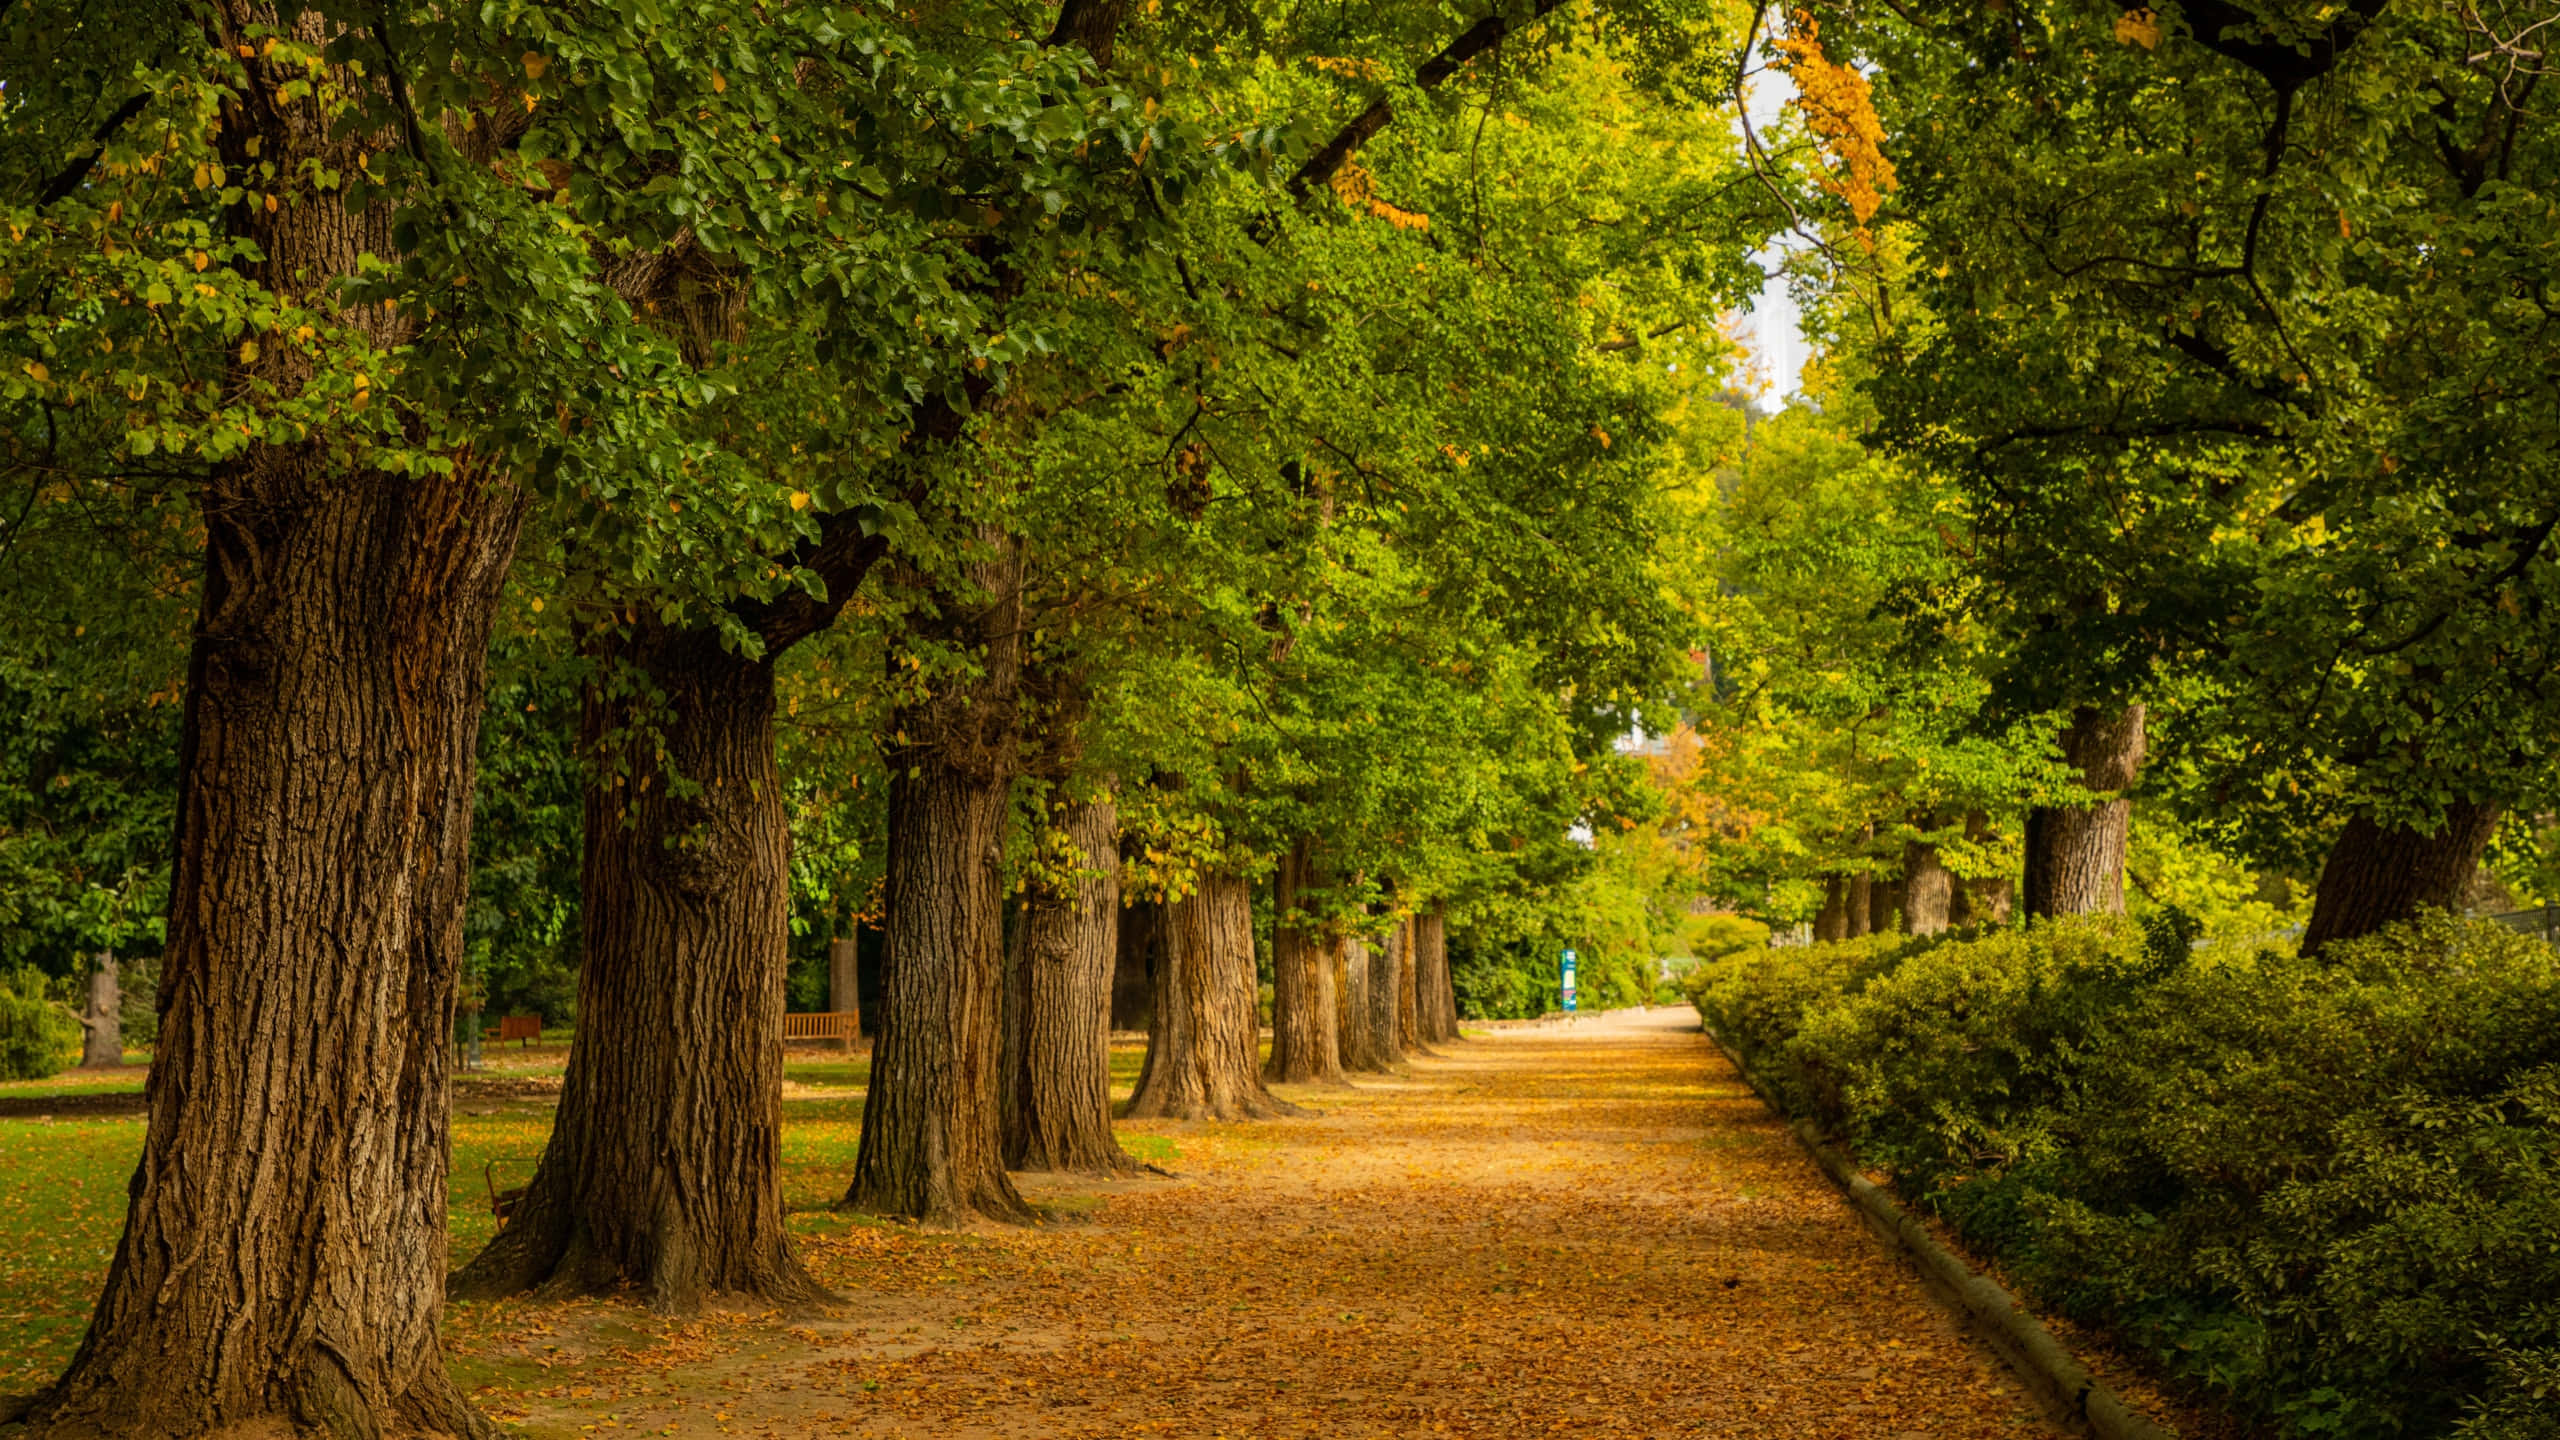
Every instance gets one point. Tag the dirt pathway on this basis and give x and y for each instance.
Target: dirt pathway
(1586, 1230)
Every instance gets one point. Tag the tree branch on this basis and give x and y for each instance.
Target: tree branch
(1475, 40)
(77, 172)
(2284, 66)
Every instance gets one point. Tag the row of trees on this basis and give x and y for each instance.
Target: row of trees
(2182, 427)
(1038, 480)
(811, 466)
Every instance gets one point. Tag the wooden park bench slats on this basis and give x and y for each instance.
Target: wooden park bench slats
(527, 1028)
(822, 1025)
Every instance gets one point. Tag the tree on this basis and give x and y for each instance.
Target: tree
(345, 608)
(1306, 1041)
(930, 1141)
(2235, 347)
(1202, 1053)
(1057, 1109)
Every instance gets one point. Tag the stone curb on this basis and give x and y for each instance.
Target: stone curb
(2063, 1384)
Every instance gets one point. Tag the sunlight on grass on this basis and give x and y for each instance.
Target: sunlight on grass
(63, 1208)
(60, 1214)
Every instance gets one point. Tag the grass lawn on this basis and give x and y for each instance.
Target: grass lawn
(64, 1203)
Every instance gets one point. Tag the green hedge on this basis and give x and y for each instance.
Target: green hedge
(2328, 1189)
(37, 1038)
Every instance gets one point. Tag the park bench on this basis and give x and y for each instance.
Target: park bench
(527, 1028)
(503, 1200)
(843, 1025)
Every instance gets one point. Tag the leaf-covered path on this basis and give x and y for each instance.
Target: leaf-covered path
(1566, 1230)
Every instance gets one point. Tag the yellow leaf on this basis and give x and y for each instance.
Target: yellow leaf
(204, 177)
(37, 372)
(248, 351)
(534, 64)
(2139, 27)
(799, 499)
(537, 609)
(719, 83)
(199, 259)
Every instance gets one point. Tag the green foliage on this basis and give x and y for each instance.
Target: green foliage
(527, 832)
(2321, 1187)
(2230, 325)
(37, 1036)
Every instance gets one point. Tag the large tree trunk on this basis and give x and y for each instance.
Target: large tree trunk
(283, 1257)
(2377, 875)
(102, 1019)
(663, 1171)
(1058, 1110)
(1203, 1060)
(1408, 991)
(1928, 890)
(1306, 1039)
(931, 1142)
(1349, 957)
(1862, 896)
(2075, 853)
(1437, 995)
(1386, 990)
(1832, 923)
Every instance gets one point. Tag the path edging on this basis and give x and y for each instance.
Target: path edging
(2061, 1382)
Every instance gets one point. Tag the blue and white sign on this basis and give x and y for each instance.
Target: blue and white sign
(1567, 971)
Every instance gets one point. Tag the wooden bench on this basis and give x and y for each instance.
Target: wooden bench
(843, 1025)
(527, 1028)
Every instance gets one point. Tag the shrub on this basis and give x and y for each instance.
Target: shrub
(37, 1037)
(2328, 1187)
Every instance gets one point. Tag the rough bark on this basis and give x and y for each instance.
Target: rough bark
(1386, 989)
(1057, 1114)
(931, 1142)
(1437, 993)
(1093, 24)
(1928, 890)
(844, 981)
(1832, 923)
(102, 1019)
(2377, 875)
(1349, 957)
(663, 1171)
(1203, 1053)
(1133, 971)
(283, 1256)
(1408, 990)
(1306, 1039)
(2075, 853)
